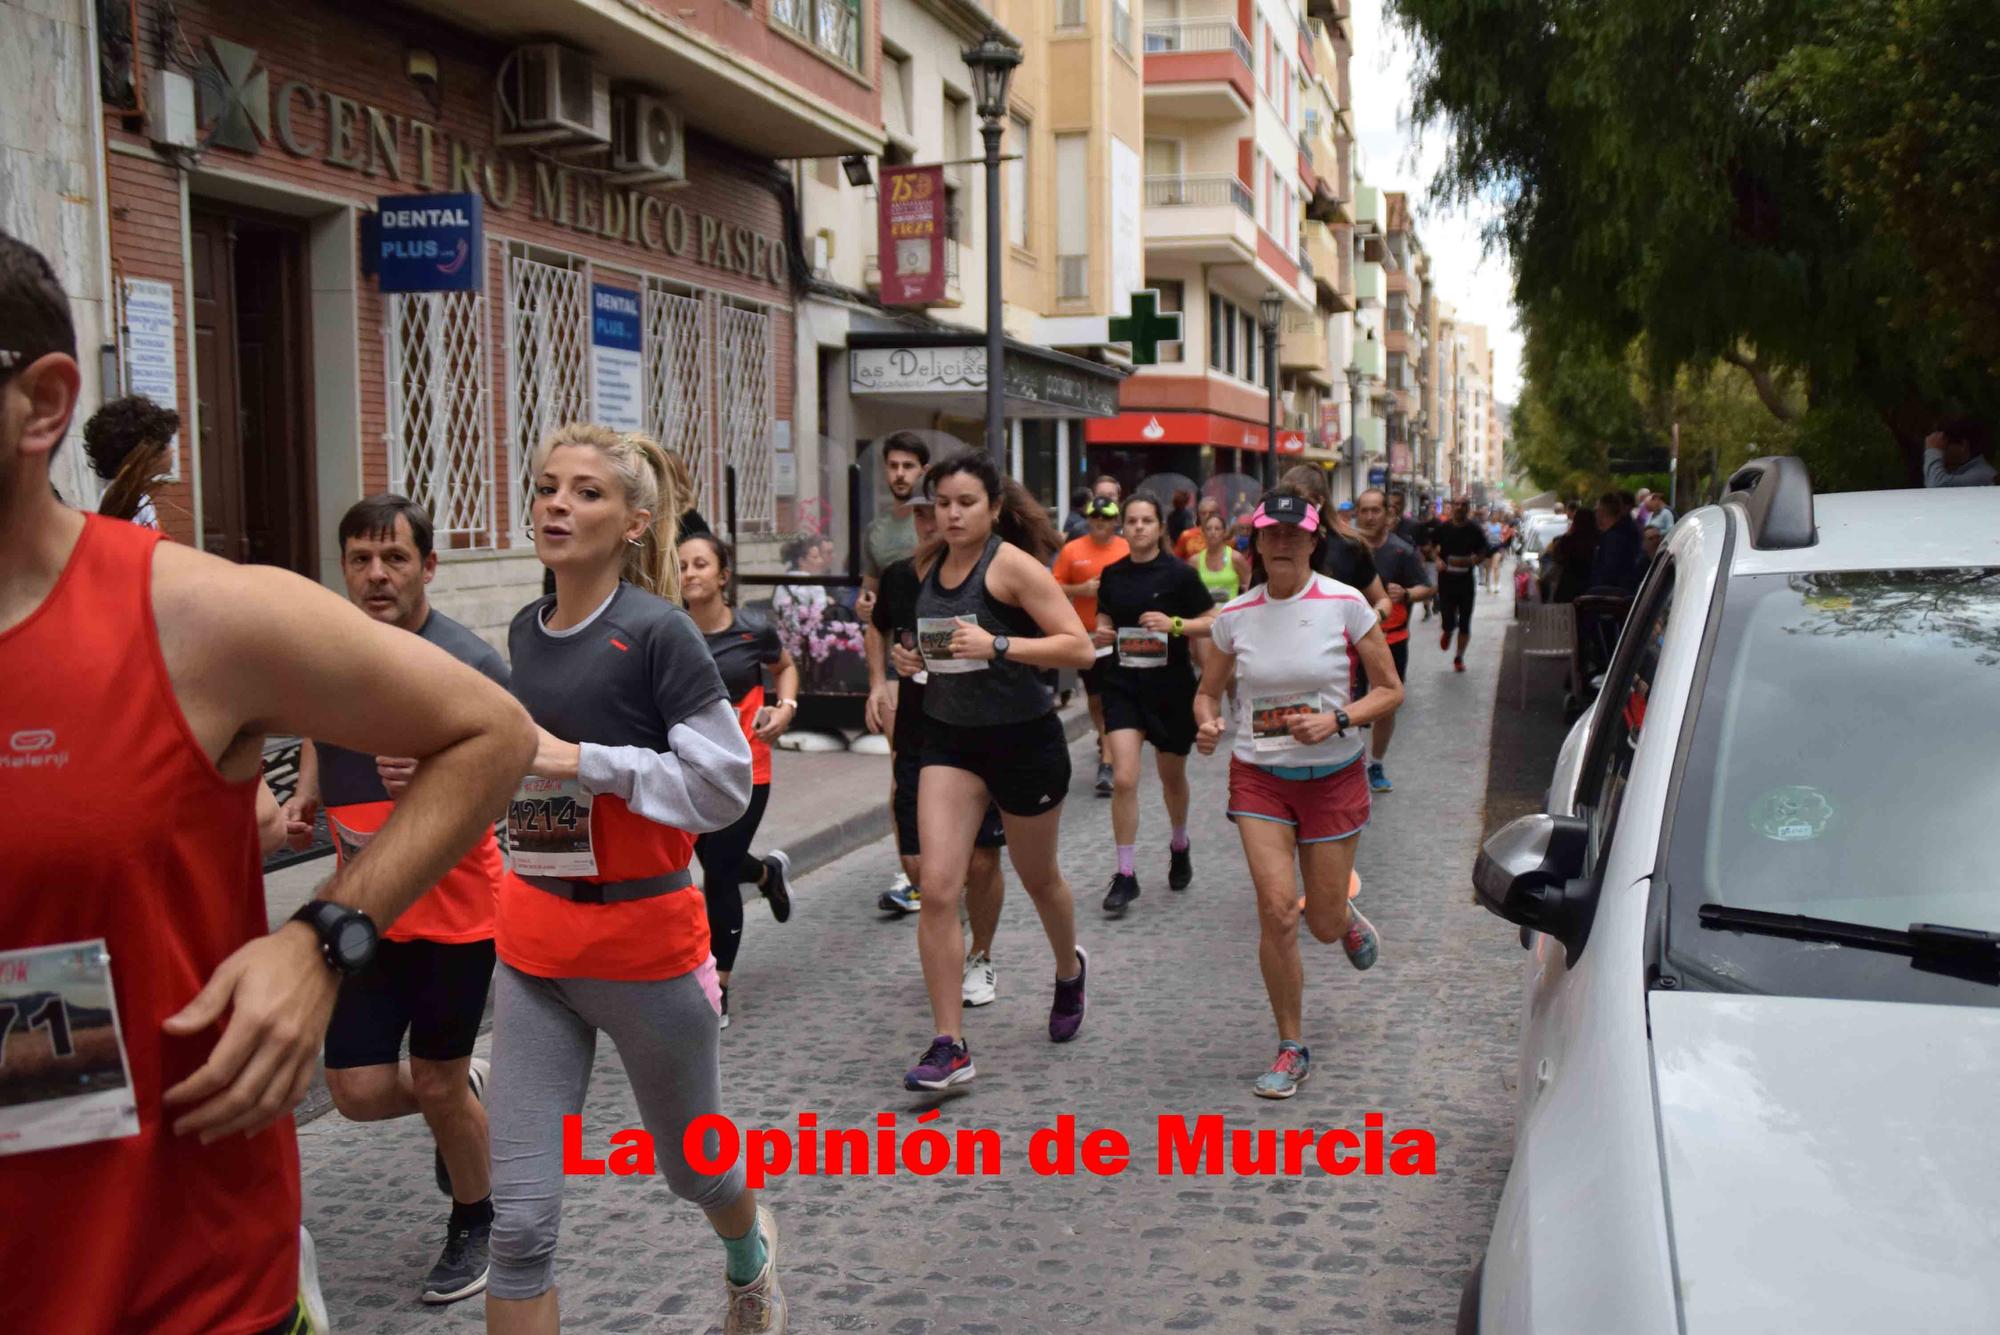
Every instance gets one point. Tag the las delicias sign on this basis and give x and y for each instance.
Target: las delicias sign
(312, 123)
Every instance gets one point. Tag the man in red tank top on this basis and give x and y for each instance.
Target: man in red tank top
(154, 1035)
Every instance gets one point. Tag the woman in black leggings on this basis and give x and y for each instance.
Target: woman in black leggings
(742, 649)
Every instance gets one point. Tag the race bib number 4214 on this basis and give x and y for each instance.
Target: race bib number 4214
(548, 829)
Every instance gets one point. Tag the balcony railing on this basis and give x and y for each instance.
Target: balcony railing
(1305, 260)
(1203, 191)
(1198, 35)
(834, 26)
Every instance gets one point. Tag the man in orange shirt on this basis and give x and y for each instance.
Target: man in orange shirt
(1078, 568)
(1191, 543)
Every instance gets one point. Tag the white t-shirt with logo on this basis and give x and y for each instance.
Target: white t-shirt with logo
(1293, 653)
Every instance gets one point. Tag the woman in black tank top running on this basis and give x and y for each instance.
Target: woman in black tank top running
(990, 620)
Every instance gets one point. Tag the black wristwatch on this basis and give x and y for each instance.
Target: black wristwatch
(347, 937)
(1000, 647)
(1340, 722)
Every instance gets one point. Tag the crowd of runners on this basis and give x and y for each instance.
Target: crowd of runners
(624, 744)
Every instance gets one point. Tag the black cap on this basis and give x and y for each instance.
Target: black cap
(1282, 507)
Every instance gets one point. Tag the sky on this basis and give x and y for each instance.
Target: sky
(1393, 157)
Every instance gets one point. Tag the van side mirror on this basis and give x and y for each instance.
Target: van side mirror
(1527, 873)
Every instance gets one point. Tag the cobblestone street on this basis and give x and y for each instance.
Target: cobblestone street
(829, 1010)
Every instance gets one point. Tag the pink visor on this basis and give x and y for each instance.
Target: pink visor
(1301, 513)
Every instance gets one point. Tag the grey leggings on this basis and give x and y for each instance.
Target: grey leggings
(544, 1040)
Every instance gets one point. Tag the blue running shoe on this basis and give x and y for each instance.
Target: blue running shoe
(1287, 1073)
(1361, 943)
(1378, 778)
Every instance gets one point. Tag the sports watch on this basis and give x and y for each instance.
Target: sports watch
(1000, 646)
(347, 937)
(1180, 626)
(1340, 721)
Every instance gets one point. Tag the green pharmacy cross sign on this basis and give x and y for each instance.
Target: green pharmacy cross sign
(1146, 327)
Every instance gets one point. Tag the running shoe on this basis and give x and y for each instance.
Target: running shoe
(1444, 640)
(945, 1064)
(759, 1307)
(460, 1271)
(722, 1018)
(1378, 778)
(1458, 665)
(777, 870)
(901, 898)
(1180, 868)
(1287, 1073)
(477, 1076)
(1361, 943)
(1066, 1015)
(1124, 889)
(979, 988)
(1104, 778)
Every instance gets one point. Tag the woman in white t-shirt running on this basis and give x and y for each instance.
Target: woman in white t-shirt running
(1298, 790)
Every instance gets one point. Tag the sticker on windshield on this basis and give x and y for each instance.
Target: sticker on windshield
(1791, 814)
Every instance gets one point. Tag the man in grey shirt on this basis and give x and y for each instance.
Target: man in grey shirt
(894, 535)
(1955, 455)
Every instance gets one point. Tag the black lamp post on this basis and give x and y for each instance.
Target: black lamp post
(1270, 308)
(1354, 433)
(992, 64)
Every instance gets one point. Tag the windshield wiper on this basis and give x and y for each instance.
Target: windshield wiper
(1923, 940)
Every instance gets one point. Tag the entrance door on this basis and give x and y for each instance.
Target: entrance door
(251, 360)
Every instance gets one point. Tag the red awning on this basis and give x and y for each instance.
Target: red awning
(1147, 428)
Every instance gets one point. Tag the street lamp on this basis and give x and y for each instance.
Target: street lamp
(1270, 307)
(1354, 378)
(992, 64)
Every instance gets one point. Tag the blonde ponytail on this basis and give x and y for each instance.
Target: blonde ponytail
(646, 474)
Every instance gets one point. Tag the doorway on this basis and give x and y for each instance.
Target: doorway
(253, 388)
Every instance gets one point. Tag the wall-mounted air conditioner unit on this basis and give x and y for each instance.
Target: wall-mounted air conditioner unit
(551, 94)
(648, 142)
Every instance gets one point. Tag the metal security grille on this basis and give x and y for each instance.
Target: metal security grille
(677, 385)
(548, 341)
(440, 414)
(744, 376)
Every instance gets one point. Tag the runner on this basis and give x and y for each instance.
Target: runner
(900, 712)
(1295, 785)
(1197, 539)
(157, 1188)
(1343, 555)
(1147, 607)
(1077, 569)
(742, 649)
(1403, 580)
(1223, 570)
(991, 735)
(429, 979)
(889, 539)
(601, 927)
(1461, 548)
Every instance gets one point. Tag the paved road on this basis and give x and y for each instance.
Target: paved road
(829, 1011)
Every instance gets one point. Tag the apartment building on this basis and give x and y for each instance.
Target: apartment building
(1406, 342)
(1367, 362)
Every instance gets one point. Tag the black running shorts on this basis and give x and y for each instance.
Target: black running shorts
(909, 767)
(435, 992)
(1399, 652)
(1025, 766)
(1166, 717)
(1454, 598)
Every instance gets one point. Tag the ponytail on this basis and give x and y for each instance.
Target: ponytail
(646, 474)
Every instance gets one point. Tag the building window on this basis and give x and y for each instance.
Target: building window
(1017, 183)
(830, 26)
(745, 407)
(548, 356)
(1121, 26)
(896, 93)
(441, 414)
(1069, 13)
(1073, 216)
(676, 353)
(1172, 294)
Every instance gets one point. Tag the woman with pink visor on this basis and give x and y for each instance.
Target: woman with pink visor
(1298, 789)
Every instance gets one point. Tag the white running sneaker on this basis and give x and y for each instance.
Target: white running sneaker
(979, 987)
(759, 1307)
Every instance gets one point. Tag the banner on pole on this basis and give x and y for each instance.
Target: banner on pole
(911, 225)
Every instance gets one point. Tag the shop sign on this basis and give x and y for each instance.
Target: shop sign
(910, 235)
(1378, 477)
(617, 376)
(1033, 381)
(916, 370)
(428, 243)
(1291, 442)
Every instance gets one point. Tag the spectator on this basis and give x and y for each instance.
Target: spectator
(1074, 524)
(1639, 499)
(1955, 454)
(127, 443)
(1656, 514)
(1650, 538)
(803, 556)
(1181, 519)
(1620, 558)
(1566, 572)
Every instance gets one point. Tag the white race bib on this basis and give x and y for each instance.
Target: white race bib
(1141, 648)
(347, 841)
(64, 1077)
(934, 643)
(548, 829)
(1271, 716)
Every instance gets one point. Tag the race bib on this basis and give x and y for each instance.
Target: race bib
(934, 643)
(64, 1078)
(1141, 648)
(347, 841)
(1271, 716)
(548, 829)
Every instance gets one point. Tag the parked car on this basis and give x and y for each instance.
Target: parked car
(1760, 1033)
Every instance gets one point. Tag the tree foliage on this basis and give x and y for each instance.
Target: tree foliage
(1674, 186)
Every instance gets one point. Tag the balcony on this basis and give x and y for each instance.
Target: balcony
(1368, 357)
(1323, 253)
(1201, 217)
(1199, 69)
(1367, 284)
(1329, 11)
(1302, 347)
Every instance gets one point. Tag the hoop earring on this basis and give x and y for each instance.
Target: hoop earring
(633, 542)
